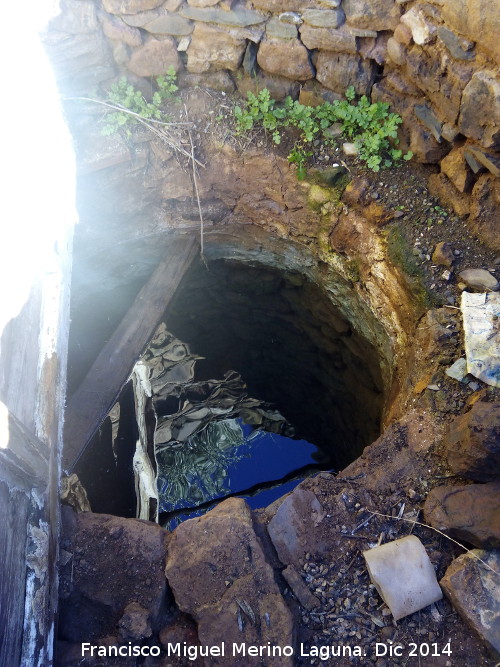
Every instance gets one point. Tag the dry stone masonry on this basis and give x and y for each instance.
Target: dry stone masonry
(435, 62)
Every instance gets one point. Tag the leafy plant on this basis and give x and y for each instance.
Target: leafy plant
(370, 125)
(299, 156)
(133, 103)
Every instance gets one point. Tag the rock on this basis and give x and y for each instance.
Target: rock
(429, 120)
(226, 584)
(214, 48)
(338, 71)
(202, 3)
(479, 279)
(485, 210)
(402, 34)
(375, 48)
(460, 48)
(441, 187)
(477, 20)
(472, 588)
(182, 629)
(115, 562)
(169, 24)
(327, 39)
(289, 59)
(443, 254)
(155, 58)
(458, 370)
(318, 195)
(356, 192)
(291, 17)
(292, 528)
(489, 160)
(479, 111)
(457, 170)
(280, 6)
(280, 30)
(349, 148)
(466, 513)
(278, 86)
(396, 52)
(115, 28)
(323, 18)
(121, 53)
(421, 30)
(239, 17)
(372, 14)
(300, 589)
(135, 623)
(473, 443)
(424, 145)
(130, 6)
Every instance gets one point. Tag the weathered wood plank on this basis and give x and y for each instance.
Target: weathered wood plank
(94, 398)
(14, 510)
(26, 454)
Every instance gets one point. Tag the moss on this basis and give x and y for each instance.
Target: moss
(353, 270)
(400, 253)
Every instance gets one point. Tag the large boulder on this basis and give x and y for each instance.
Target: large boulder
(220, 576)
(473, 443)
(110, 564)
(472, 587)
(468, 513)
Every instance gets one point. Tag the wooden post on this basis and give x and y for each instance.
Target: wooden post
(101, 387)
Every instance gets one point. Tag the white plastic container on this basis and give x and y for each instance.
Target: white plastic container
(403, 575)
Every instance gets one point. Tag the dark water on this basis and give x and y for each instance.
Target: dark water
(255, 465)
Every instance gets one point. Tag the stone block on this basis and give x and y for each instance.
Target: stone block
(441, 187)
(115, 562)
(116, 29)
(338, 71)
(480, 109)
(489, 161)
(238, 17)
(457, 170)
(130, 6)
(79, 17)
(202, 3)
(422, 31)
(478, 20)
(472, 588)
(396, 52)
(402, 34)
(460, 48)
(293, 529)
(473, 443)
(323, 18)
(220, 576)
(485, 210)
(467, 513)
(280, 6)
(372, 14)
(213, 48)
(289, 59)
(424, 146)
(326, 39)
(169, 24)
(154, 58)
(280, 30)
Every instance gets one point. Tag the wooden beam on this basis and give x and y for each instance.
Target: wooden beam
(99, 390)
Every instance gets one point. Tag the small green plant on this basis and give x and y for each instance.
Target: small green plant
(123, 95)
(299, 157)
(371, 126)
